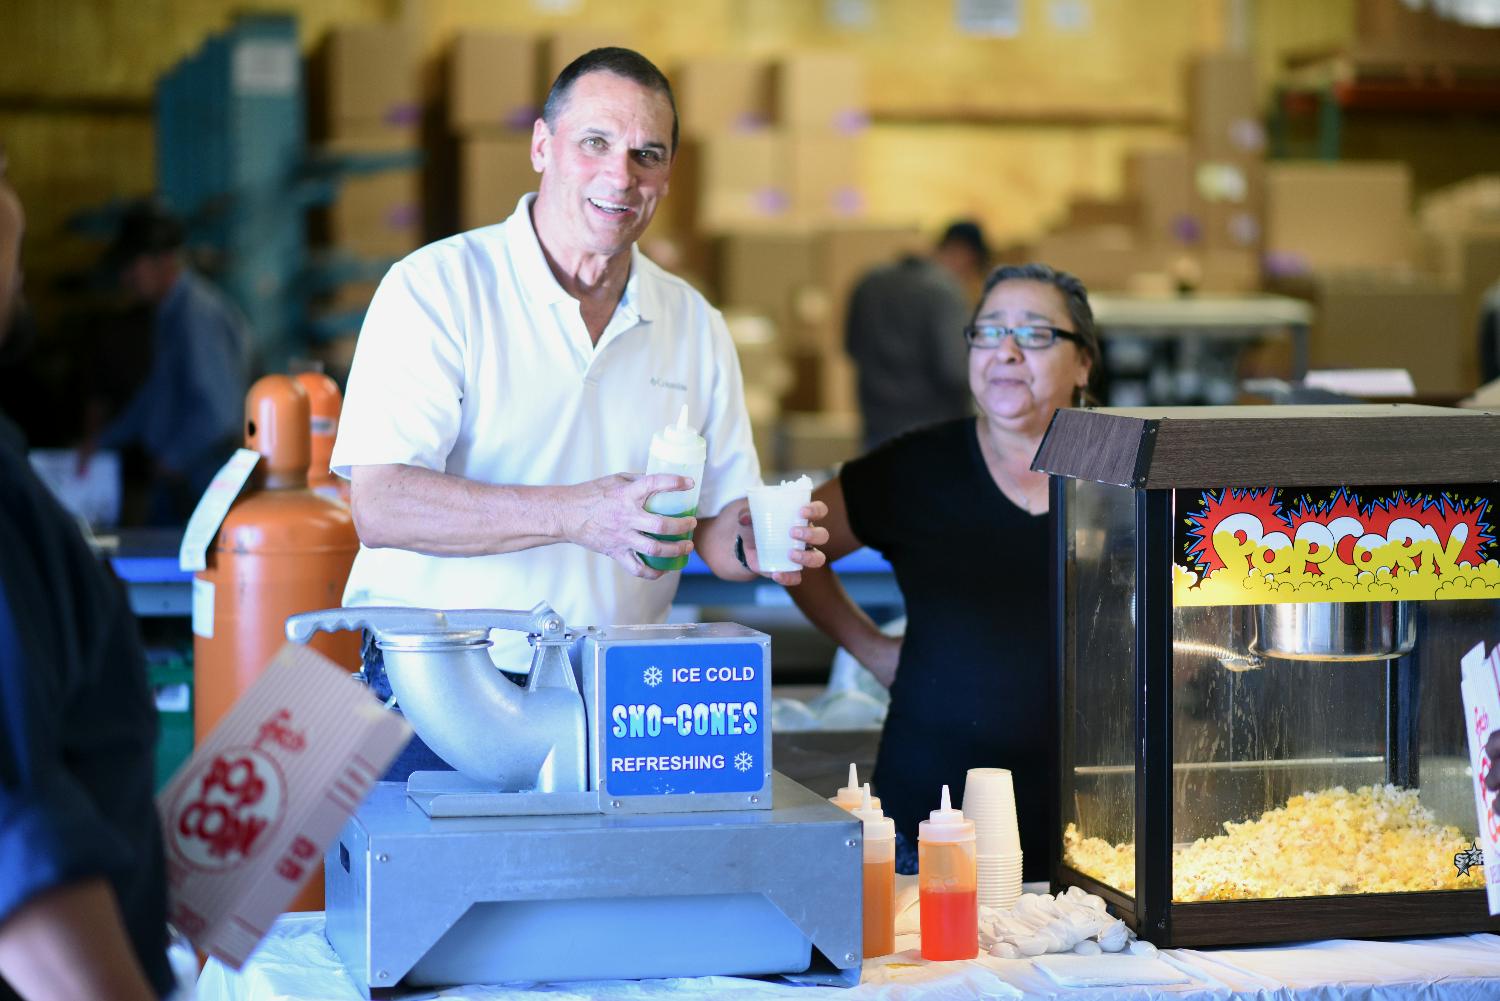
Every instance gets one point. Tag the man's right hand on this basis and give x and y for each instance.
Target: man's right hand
(609, 516)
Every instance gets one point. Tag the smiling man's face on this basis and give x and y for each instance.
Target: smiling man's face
(604, 166)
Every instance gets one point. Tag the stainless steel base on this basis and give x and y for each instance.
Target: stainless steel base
(422, 901)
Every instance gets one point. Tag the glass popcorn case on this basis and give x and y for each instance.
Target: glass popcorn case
(1262, 735)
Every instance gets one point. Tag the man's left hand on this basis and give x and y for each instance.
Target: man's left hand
(812, 533)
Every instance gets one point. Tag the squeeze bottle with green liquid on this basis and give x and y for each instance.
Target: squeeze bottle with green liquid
(679, 450)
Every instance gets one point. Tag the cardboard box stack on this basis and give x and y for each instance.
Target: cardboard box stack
(1191, 214)
(1342, 235)
(764, 213)
(767, 376)
(1326, 216)
(482, 157)
(729, 172)
(802, 281)
(1394, 319)
(766, 145)
(1459, 241)
(363, 85)
(494, 84)
(364, 110)
(819, 102)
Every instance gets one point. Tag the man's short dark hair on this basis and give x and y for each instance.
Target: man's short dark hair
(968, 234)
(146, 228)
(626, 63)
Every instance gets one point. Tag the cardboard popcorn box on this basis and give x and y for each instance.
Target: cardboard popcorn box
(247, 818)
(1481, 688)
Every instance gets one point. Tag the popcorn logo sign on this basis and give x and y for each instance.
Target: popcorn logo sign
(235, 802)
(1266, 545)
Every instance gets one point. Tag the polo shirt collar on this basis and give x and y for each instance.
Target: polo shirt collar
(541, 285)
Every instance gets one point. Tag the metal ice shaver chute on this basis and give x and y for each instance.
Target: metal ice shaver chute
(491, 730)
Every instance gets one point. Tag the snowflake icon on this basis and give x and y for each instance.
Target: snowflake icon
(653, 676)
(743, 761)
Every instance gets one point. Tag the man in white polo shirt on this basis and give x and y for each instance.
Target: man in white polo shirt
(508, 381)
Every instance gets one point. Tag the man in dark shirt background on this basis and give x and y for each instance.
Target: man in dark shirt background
(905, 334)
(187, 414)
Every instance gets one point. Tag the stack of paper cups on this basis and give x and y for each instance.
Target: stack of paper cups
(990, 802)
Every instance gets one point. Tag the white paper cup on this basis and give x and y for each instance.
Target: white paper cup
(998, 841)
(989, 787)
(998, 879)
(774, 511)
(990, 802)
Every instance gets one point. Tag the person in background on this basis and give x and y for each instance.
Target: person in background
(508, 381)
(910, 370)
(961, 516)
(187, 414)
(82, 879)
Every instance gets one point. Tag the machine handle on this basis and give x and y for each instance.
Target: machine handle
(540, 621)
(300, 627)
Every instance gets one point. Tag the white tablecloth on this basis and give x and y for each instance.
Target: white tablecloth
(296, 962)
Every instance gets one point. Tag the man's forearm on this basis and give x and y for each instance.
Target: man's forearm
(69, 943)
(407, 507)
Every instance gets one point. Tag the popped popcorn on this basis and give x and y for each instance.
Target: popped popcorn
(1378, 839)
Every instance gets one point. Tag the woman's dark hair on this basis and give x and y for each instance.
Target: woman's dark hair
(627, 63)
(1075, 298)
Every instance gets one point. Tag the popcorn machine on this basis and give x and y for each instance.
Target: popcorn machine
(1263, 609)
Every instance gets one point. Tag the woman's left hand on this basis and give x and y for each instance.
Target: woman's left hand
(813, 534)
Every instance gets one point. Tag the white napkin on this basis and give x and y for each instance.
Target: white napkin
(1108, 971)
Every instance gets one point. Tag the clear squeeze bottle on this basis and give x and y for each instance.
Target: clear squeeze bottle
(880, 879)
(948, 885)
(679, 450)
(851, 796)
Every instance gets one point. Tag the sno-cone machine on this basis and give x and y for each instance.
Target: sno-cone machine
(614, 816)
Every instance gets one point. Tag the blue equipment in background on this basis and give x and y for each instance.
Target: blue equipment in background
(232, 160)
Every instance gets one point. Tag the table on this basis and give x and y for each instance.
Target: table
(146, 561)
(295, 961)
(1208, 317)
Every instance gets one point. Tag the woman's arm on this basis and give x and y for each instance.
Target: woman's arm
(822, 597)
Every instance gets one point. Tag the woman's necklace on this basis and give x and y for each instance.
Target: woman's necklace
(1031, 499)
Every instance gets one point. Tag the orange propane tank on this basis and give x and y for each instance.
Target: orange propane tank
(282, 549)
(326, 402)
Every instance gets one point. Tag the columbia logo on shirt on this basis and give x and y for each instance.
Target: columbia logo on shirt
(667, 384)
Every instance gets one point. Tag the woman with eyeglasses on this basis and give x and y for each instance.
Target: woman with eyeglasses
(961, 517)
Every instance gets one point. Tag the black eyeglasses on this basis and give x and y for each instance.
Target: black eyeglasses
(989, 335)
